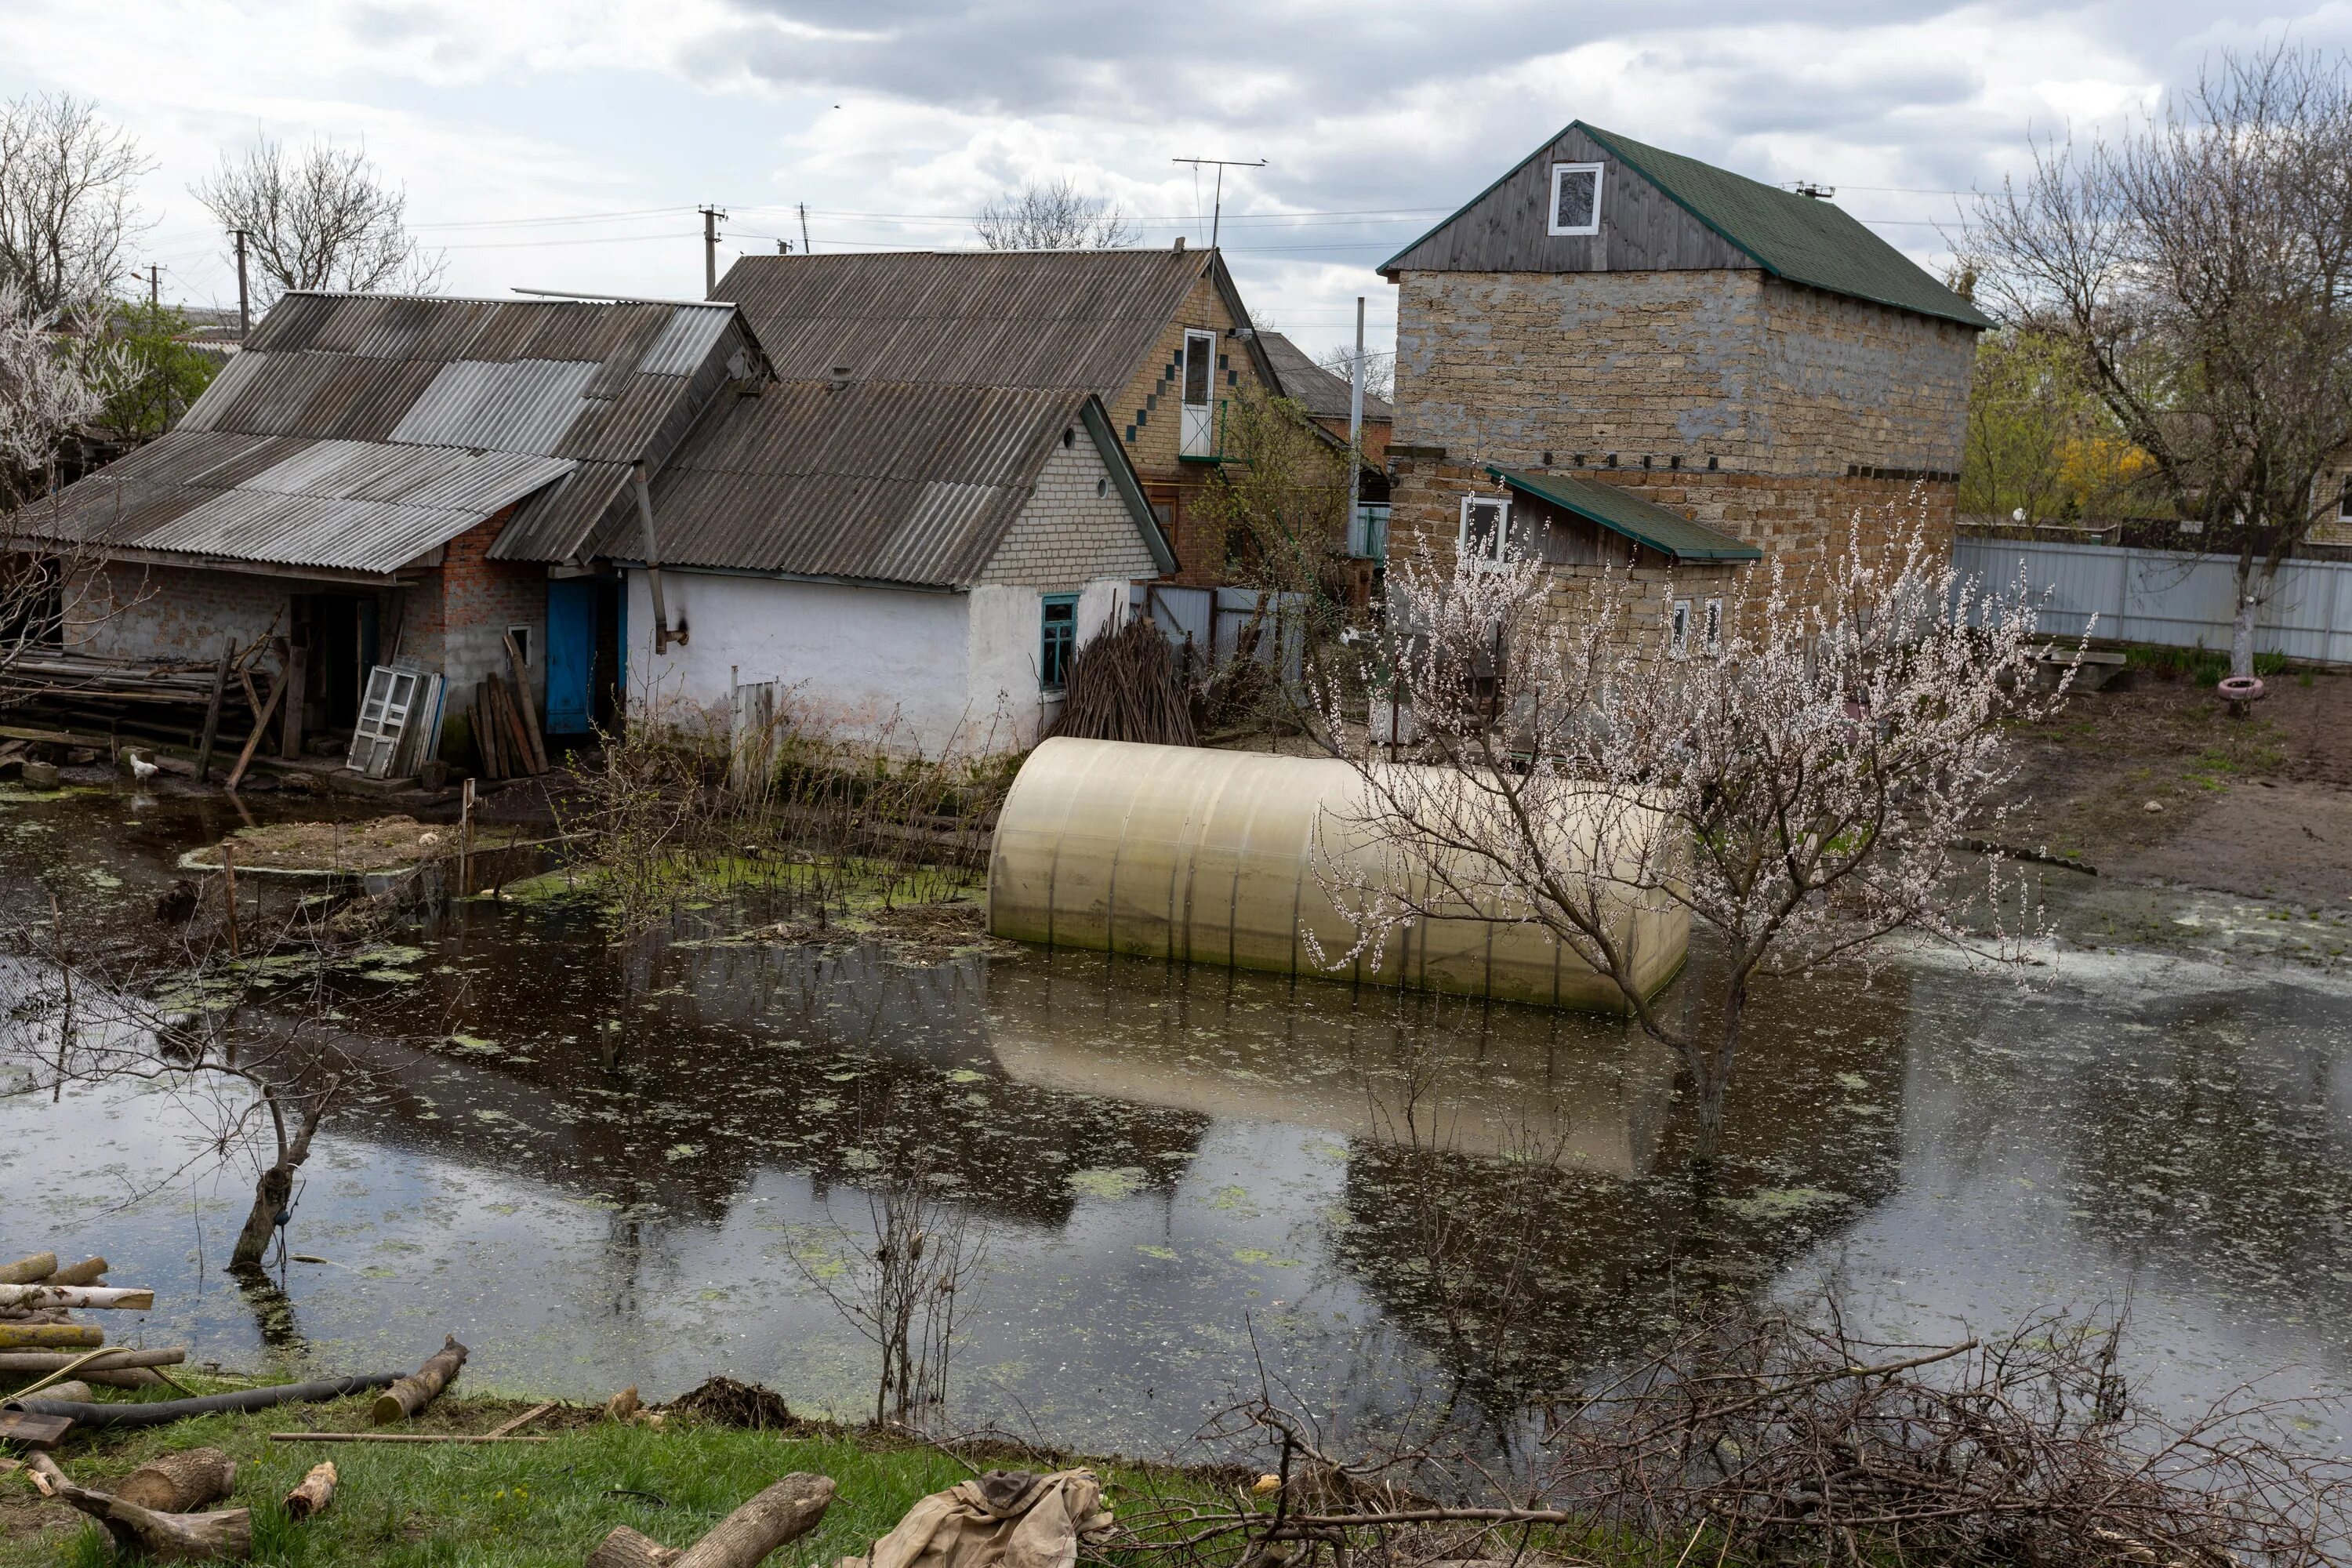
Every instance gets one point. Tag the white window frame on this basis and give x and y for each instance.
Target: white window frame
(1197, 422)
(1552, 208)
(2344, 498)
(1501, 548)
(1712, 623)
(1678, 626)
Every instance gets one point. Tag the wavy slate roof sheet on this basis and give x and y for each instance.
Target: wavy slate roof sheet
(868, 482)
(454, 394)
(1322, 392)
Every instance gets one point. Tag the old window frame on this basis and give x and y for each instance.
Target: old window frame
(1552, 206)
(1058, 641)
(1499, 556)
(1679, 629)
(1712, 623)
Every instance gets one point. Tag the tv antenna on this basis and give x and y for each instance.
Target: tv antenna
(1217, 212)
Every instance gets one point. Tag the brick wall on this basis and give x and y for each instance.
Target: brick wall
(1076, 529)
(127, 611)
(472, 602)
(1851, 384)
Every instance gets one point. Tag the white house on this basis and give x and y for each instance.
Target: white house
(913, 563)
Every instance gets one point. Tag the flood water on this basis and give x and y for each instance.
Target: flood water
(603, 1164)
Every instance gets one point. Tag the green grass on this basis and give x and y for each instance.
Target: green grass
(2199, 666)
(504, 1505)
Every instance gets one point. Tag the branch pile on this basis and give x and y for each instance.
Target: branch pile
(1123, 687)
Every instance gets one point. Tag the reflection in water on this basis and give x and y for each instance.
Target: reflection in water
(620, 1164)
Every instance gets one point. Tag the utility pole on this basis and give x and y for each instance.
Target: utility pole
(1356, 429)
(711, 216)
(154, 283)
(805, 244)
(1217, 214)
(244, 300)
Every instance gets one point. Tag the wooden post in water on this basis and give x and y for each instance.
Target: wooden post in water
(212, 711)
(228, 890)
(466, 840)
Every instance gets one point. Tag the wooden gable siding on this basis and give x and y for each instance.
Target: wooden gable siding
(1643, 229)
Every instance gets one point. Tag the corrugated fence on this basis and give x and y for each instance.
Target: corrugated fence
(2170, 596)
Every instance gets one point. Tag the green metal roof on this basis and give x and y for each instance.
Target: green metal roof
(1797, 238)
(1623, 512)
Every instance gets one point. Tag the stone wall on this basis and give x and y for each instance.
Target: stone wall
(1074, 529)
(1852, 384)
(123, 610)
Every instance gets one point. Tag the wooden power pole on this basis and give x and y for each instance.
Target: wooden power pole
(244, 301)
(711, 216)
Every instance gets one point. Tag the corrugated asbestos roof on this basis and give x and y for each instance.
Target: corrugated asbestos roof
(482, 392)
(353, 506)
(1072, 320)
(869, 482)
(1627, 514)
(1322, 392)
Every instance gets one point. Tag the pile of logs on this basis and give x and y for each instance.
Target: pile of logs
(171, 700)
(39, 1333)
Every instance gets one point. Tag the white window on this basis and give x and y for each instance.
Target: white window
(2344, 498)
(1486, 530)
(1576, 198)
(1196, 435)
(1679, 643)
(1714, 625)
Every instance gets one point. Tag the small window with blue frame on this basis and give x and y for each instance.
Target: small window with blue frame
(1060, 636)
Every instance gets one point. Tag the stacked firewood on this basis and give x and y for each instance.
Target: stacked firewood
(40, 1339)
(1122, 686)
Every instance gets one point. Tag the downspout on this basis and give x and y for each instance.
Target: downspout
(661, 633)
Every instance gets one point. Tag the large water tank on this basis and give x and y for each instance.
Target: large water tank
(1209, 857)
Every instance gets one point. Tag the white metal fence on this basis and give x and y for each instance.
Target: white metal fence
(2170, 596)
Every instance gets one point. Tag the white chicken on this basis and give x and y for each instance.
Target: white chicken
(142, 769)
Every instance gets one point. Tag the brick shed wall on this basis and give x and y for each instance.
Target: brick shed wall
(1074, 529)
(456, 616)
(126, 611)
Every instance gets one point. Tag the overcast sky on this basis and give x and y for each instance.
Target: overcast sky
(565, 147)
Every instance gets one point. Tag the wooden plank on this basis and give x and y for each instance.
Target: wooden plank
(298, 676)
(33, 1431)
(486, 731)
(530, 709)
(525, 1419)
(213, 710)
(512, 740)
(260, 722)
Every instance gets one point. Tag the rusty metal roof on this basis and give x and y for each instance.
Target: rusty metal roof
(349, 506)
(1071, 320)
(865, 482)
(583, 388)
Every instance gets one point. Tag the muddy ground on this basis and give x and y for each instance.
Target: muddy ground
(2260, 807)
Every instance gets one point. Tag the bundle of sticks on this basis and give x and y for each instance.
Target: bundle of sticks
(1122, 686)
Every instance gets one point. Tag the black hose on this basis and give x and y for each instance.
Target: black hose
(163, 1412)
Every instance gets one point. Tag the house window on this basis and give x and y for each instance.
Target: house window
(1196, 432)
(1485, 529)
(2344, 499)
(1679, 643)
(521, 635)
(1058, 635)
(1576, 198)
(1714, 625)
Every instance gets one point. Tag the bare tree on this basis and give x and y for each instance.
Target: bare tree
(1053, 216)
(319, 217)
(1380, 367)
(65, 206)
(1799, 778)
(2199, 271)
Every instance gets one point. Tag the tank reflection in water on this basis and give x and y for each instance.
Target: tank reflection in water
(607, 1165)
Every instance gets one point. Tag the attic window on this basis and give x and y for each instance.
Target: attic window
(1576, 198)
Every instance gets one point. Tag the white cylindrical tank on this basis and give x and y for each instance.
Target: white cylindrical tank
(1209, 857)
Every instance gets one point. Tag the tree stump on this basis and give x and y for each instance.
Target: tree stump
(226, 1536)
(420, 1388)
(625, 1548)
(180, 1483)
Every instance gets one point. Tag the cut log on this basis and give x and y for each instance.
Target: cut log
(25, 1270)
(413, 1393)
(222, 1537)
(73, 1388)
(49, 1336)
(54, 1360)
(89, 1271)
(625, 1548)
(784, 1511)
(317, 1490)
(89, 1298)
(182, 1482)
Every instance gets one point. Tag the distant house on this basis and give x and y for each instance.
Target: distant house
(1619, 354)
(1326, 398)
(380, 476)
(1161, 336)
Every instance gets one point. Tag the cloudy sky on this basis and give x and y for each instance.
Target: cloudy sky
(566, 147)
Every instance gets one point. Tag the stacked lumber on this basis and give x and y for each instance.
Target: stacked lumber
(177, 700)
(40, 1339)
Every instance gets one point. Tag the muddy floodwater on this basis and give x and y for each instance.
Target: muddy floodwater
(603, 1164)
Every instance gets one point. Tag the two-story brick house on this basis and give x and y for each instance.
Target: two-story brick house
(1617, 352)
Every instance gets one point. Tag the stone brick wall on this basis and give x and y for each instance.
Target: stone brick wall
(126, 611)
(1849, 384)
(456, 617)
(1074, 529)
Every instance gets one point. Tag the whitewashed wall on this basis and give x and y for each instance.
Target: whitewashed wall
(2168, 597)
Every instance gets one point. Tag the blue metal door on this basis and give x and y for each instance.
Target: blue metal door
(570, 654)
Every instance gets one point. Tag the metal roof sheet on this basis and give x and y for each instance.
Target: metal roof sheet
(347, 505)
(523, 405)
(1629, 515)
